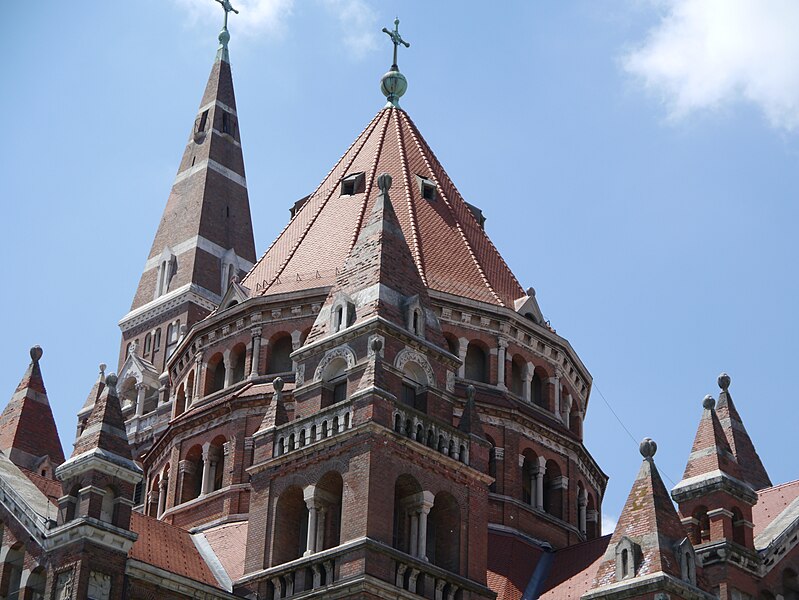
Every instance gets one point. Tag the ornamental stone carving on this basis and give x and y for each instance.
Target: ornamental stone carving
(344, 352)
(407, 355)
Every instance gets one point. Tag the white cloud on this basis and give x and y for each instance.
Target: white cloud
(359, 23)
(356, 19)
(708, 54)
(256, 16)
(608, 523)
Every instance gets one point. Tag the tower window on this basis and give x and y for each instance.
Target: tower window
(340, 392)
(227, 123)
(201, 124)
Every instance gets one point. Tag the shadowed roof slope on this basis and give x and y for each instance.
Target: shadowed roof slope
(449, 247)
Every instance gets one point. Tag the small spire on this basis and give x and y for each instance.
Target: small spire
(224, 35)
(393, 84)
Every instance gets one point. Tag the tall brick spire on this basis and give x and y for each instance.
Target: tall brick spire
(205, 234)
(752, 469)
(27, 428)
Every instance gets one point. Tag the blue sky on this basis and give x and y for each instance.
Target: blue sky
(636, 162)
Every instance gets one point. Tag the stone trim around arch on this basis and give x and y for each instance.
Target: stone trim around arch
(343, 351)
(407, 355)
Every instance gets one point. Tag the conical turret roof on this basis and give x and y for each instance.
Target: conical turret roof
(448, 245)
(752, 469)
(649, 520)
(711, 452)
(27, 427)
(105, 427)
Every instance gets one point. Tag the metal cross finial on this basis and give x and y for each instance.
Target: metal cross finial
(228, 7)
(396, 38)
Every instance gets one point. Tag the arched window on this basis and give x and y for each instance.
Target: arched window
(191, 470)
(291, 526)
(148, 344)
(172, 333)
(216, 463)
(180, 401)
(12, 570)
(538, 390)
(517, 369)
(530, 477)
(702, 525)
(215, 374)
(157, 340)
(279, 355)
(238, 358)
(35, 584)
(553, 489)
(476, 363)
(327, 501)
(407, 493)
(189, 389)
(444, 533)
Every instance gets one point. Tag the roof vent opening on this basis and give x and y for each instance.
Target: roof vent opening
(478, 214)
(298, 205)
(427, 188)
(352, 184)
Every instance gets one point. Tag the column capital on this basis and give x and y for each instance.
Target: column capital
(256, 331)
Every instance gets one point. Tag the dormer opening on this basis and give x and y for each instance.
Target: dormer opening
(428, 188)
(627, 557)
(352, 184)
(227, 123)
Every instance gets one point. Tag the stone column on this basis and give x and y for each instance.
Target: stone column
(162, 487)
(582, 503)
(414, 545)
(424, 509)
(321, 511)
(198, 376)
(295, 345)
(228, 369)
(539, 483)
(256, 351)
(534, 486)
(502, 346)
(141, 391)
(567, 407)
(206, 477)
(527, 387)
(555, 382)
(463, 345)
(310, 546)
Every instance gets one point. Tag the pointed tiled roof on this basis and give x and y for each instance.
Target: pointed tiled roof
(105, 427)
(379, 274)
(207, 213)
(27, 427)
(448, 246)
(752, 470)
(711, 452)
(94, 393)
(648, 519)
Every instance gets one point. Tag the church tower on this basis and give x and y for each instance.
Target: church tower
(205, 236)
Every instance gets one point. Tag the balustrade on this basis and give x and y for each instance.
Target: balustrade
(442, 438)
(303, 432)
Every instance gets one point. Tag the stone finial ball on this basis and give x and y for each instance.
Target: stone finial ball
(277, 383)
(709, 402)
(103, 367)
(224, 37)
(470, 392)
(377, 345)
(36, 353)
(531, 291)
(648, 447)
(724, 381)
(384, 182)
(111, 380)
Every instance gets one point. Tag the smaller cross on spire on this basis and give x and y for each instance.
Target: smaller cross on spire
(227, 7)
(396, 38)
